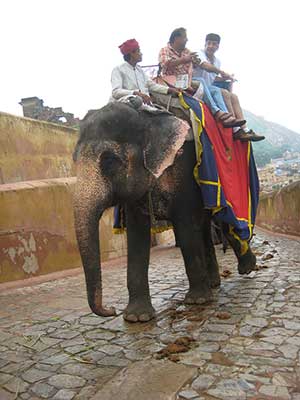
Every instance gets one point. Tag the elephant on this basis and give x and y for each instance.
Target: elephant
(144, 163)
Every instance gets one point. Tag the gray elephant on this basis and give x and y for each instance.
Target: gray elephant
(130, 158)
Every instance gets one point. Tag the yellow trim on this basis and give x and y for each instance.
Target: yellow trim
(203, 181)
(219, 193)
(240, 218)
(217, 209)
(228, 202)
(118, 231)
(208, 182)
(244, 243)
(161, 229)
(182, 102)
(203, 115)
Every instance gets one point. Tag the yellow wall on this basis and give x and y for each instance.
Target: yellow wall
(31, 149)
(280, 211)
(37, 234)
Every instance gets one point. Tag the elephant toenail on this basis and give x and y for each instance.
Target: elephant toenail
(131, 318)
(144, 317)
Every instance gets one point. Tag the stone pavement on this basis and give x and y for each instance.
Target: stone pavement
(243, 345)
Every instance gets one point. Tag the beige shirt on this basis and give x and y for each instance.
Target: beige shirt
(125, 79)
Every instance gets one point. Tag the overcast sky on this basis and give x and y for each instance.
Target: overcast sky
(63, 51)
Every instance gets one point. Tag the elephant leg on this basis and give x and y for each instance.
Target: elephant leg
(210, 254)
(188, 230)
(138, 240)
(246, 260)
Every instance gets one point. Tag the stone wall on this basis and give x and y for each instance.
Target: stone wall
(37, 233)
(31, 149)
(280, 210)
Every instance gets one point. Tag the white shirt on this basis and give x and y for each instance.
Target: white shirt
(125, 79)
(199, 72)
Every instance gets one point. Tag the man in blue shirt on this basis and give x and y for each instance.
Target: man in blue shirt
(209, 73)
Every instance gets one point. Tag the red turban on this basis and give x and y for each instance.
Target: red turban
(129, 46)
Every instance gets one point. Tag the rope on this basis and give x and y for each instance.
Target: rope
(169, 102)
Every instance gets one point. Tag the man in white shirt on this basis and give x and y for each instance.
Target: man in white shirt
(209, 70)
(129, 79)
(210, 66)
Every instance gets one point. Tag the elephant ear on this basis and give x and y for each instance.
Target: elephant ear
(165, 136)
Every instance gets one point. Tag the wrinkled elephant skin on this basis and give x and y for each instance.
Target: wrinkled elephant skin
(122, 156)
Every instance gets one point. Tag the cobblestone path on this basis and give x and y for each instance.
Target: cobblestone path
(243, 345)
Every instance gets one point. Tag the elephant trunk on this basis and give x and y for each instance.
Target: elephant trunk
(87, 215)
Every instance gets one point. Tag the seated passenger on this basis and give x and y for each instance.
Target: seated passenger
(129, 81)
(208, 69)
(177, 61)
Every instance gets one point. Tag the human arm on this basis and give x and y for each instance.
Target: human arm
(147, 99)
(173, 91)
(155, 87)
(167, 60)
(212, 68)
(182, 60)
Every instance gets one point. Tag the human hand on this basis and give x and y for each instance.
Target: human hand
(146, 99)
(227, 76)
(174, 91)
(187, 59)
(195, 58)
(190, 90)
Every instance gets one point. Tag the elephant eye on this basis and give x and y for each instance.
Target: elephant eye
(109, 162)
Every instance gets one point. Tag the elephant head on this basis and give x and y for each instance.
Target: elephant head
(119, 155)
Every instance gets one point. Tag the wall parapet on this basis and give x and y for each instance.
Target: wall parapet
(37, 234)
(280, 211)
(32, 149)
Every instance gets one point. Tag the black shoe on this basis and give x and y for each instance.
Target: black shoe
(247, 136)
(254, 137)
(233, 124)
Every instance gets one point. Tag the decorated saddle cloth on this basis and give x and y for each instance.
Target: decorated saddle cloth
(225, 171)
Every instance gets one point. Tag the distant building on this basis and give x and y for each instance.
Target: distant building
(279, 173)
(277, 161)
(33, 107)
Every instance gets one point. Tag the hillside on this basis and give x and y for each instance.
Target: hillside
(278, 139)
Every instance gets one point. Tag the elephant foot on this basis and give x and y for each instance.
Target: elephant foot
(139, 312)
(214, 281)
(198, 296)
(213, 272)
(247, 263)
